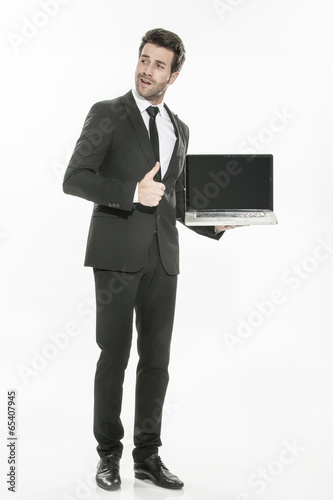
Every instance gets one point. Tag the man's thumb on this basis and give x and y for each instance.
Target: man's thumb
(154, 170)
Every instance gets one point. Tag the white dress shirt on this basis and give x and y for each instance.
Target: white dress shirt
(166, 133)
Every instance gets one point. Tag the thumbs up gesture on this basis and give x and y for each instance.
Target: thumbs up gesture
(151, 192)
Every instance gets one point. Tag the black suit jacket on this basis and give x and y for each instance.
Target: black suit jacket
(111, 156)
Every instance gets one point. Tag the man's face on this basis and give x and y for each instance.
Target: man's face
(153, 73)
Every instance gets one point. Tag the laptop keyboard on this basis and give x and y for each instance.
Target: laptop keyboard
(230, 214)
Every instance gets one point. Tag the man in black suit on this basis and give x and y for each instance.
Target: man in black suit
(129, 161)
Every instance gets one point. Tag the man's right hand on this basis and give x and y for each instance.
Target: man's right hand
(151, 192)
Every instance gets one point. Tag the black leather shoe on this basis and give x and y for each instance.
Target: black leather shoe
(154, 469)
(107, 476)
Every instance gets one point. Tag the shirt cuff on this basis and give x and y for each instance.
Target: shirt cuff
(136, 194)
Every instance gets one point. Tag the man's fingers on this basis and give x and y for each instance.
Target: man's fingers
(150, 191)
(159, 188)
(225, 228)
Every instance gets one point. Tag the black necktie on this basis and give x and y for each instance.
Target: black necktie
(152, 112)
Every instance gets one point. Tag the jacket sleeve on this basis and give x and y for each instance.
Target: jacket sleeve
(82, 175)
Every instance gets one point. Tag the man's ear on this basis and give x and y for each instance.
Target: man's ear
(173, 77)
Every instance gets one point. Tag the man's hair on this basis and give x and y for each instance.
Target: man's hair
(168, 40)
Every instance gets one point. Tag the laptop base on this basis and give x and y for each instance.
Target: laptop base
(262, 217)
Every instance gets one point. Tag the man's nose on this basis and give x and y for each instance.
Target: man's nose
(148, 70)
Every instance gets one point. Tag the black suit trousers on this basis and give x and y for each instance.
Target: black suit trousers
(151, 293)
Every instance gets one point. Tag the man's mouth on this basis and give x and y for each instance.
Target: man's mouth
(144, 81)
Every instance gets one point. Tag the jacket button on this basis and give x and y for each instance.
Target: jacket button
(158, 216)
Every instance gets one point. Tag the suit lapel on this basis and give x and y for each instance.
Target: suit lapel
(139, 127)
(142, 133)
(179, 145)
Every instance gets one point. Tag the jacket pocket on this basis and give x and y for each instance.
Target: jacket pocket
(103, 211)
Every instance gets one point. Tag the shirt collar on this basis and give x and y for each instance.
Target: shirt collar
(143, 104)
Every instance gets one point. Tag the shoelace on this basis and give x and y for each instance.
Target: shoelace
(110, 461)
(159, 464)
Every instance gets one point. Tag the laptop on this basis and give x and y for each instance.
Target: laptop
(229, 190)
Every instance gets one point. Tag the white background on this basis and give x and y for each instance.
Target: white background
(238, 396)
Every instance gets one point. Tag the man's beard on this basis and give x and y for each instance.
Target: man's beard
(155, 93)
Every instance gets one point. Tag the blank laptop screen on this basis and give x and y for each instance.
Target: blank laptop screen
(229, 182)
